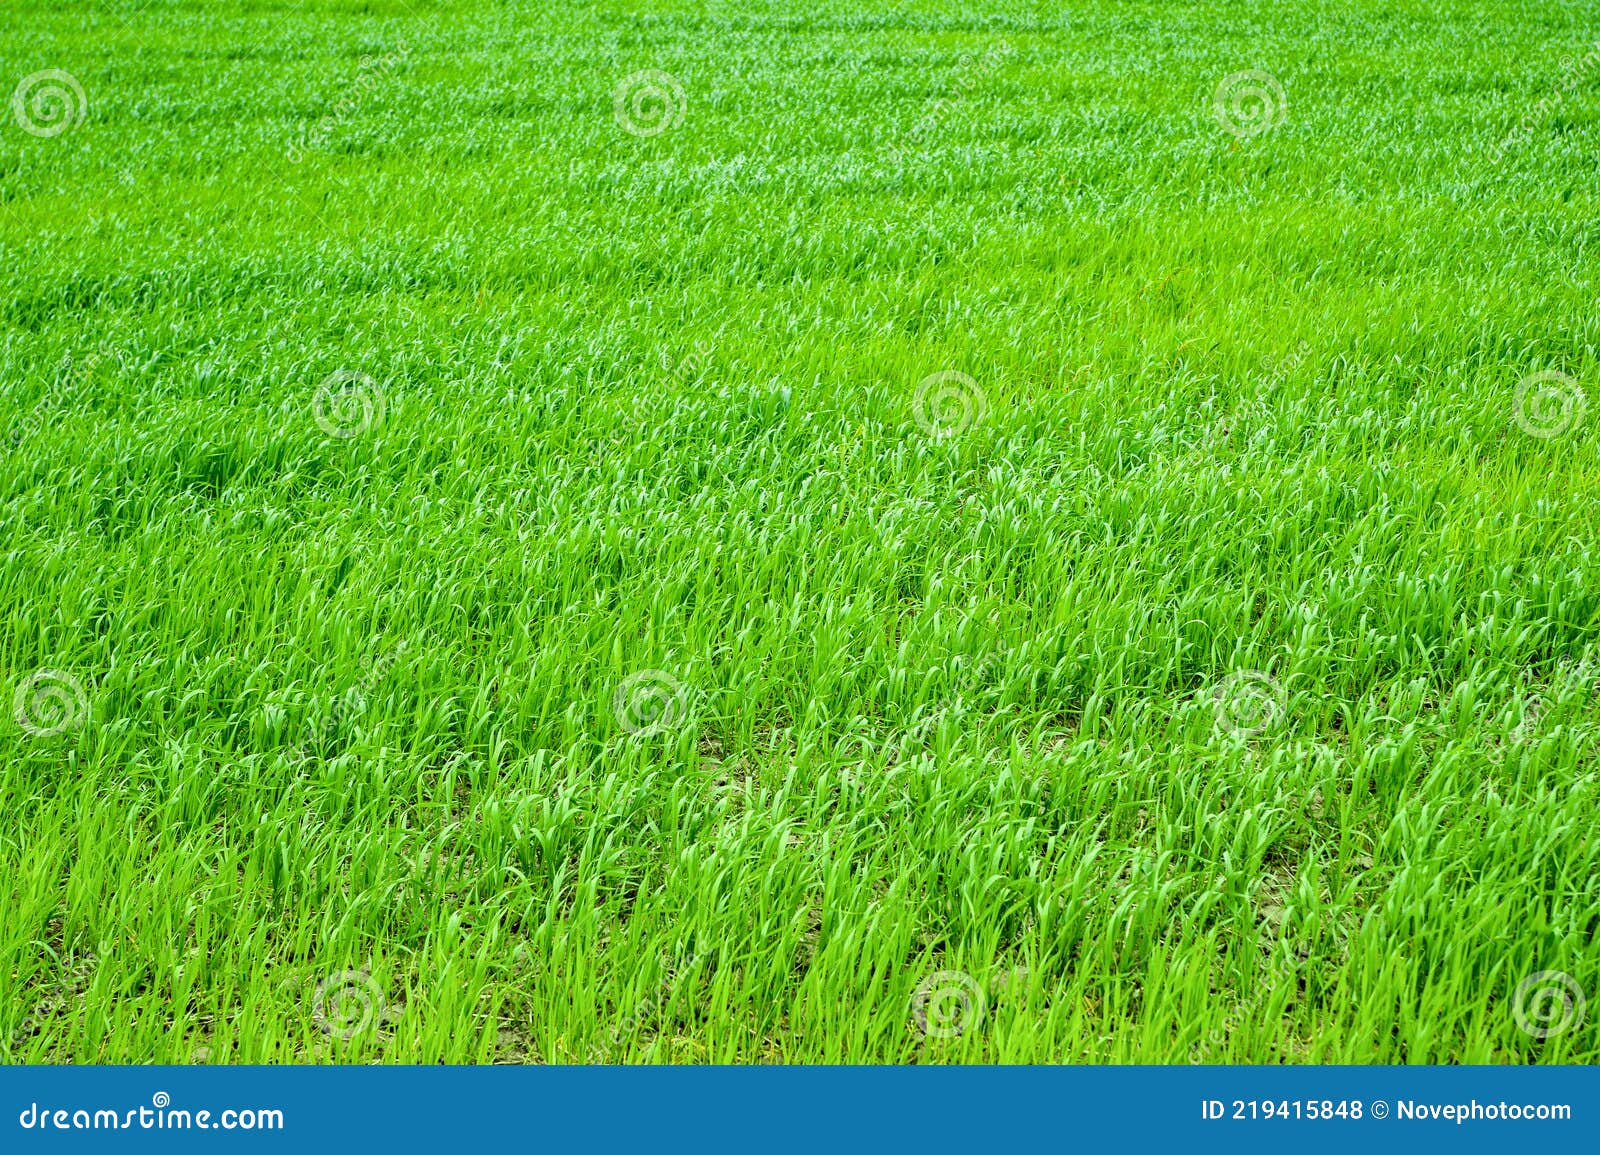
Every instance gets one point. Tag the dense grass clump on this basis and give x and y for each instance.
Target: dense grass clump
(723, 532)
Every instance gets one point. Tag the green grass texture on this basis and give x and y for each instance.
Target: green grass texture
(730, 532)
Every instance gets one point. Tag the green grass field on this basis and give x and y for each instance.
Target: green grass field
(748, 532)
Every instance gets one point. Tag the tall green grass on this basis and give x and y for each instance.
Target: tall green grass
(485, 584)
